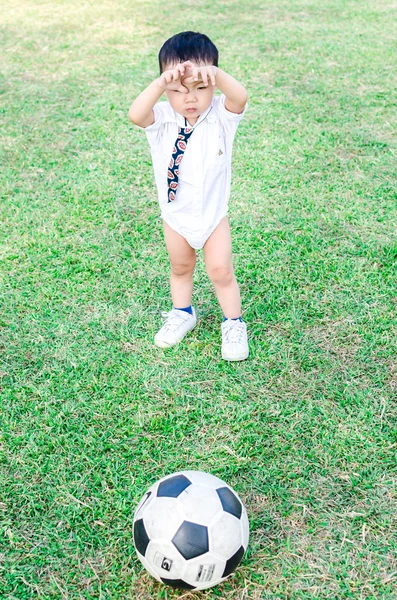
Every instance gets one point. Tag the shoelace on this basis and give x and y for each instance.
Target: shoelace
(234, 332)
(173, 318)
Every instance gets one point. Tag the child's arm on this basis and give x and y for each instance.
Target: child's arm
(236, 94)
(141, 110)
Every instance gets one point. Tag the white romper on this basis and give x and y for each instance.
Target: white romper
(204, 173)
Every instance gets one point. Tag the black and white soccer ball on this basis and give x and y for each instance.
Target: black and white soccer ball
(190, 530)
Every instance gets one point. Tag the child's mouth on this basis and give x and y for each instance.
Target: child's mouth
(190, 110)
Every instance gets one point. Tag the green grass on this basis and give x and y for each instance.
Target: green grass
(91, 412)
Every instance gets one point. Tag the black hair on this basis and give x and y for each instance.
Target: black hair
(188, 45)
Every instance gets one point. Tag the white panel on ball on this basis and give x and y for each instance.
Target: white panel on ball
(164, 559)
(225, 535)
(204, 571)
(146, 500)
(200, 504)
(162, 518)
(148, 567)
(204, 478)
(245, 527)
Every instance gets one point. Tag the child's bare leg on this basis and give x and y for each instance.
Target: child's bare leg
(218, 262)
(183, 260)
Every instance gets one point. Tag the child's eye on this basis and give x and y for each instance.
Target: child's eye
(201, 88)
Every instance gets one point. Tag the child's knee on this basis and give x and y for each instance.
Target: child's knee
(221, 275)
(179, 269)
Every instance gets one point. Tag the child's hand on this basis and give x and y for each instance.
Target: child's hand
(205, 74)
(172, 79)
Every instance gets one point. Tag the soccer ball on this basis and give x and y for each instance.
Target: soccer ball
(190, 530)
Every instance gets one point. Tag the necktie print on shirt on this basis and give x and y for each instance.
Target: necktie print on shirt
(178, 152)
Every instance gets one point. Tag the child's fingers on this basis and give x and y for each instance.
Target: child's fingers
(207, 75)
(204, 75)
(210, 75)
(188, 66)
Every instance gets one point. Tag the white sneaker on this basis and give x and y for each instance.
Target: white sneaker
(178, 323)
(234, 340)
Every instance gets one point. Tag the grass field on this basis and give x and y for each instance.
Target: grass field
(91, 412)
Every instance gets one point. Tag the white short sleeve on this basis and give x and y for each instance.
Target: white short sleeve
(153, 131)
(158, 119)
(229, 120)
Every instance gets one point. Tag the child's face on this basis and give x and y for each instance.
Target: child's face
(195, 101)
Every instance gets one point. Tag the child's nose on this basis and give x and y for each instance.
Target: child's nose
(191, 95)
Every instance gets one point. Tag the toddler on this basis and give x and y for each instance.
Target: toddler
(191, 140)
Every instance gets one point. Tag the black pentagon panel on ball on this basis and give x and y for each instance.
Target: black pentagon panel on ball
(233, 562)
(141, 538)
(178, 583)
(230, 503)
(191, 540)
(173, 486)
